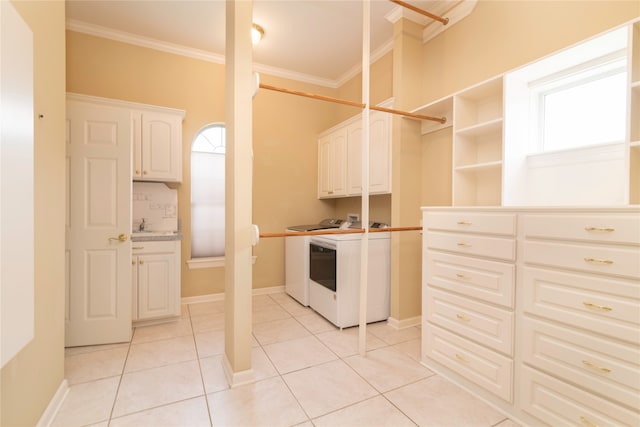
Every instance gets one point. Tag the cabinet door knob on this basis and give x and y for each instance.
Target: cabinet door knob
(141, 262)
(137, 172)
(144, 172)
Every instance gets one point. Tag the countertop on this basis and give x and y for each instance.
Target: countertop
(155, 236)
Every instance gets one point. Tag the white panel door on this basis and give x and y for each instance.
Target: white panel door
(99, 209)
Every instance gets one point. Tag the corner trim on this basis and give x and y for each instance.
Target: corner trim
(236, 379)
(220, 296)
(404, 323)
(54, 405)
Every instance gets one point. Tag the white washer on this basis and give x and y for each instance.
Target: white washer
(297, 259)
(342, 306)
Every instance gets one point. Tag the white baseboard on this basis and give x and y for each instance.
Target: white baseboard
(236, 379)
(54, 405)
(220, 296)
(404, 323)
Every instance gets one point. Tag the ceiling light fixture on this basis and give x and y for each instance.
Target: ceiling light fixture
(257, 33)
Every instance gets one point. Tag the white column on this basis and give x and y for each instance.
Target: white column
(238, 178)
(364, 251)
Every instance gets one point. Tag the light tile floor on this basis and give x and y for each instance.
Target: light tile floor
(308, 373)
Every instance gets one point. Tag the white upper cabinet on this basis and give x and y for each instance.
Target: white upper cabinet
(157, 146)
(340, 157)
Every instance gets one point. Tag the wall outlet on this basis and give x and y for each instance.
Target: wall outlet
(353, 217)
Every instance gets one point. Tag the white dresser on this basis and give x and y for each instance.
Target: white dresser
(536, 310)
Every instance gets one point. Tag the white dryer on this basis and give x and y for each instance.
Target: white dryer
(334, 271)
(297, 259)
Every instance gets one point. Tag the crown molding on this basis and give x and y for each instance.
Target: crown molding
(134, 39)
(455, 13)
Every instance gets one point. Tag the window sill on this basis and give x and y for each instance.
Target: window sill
(212, 262)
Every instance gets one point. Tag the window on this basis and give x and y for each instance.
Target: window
(566, 126)
(583, 106)
(207, 193)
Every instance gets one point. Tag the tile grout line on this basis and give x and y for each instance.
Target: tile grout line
(124, 365)
(204, 387)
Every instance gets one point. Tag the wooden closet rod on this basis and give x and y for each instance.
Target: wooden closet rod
(337, 231)
(444, 21)
(351, 103)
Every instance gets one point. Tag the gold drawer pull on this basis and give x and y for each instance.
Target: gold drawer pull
(461, 358)
(596, 306)
(601, 229)
(588, 422)
(462, 276)
(464, 245)
(462, 317)
(596, 367)
(598, 261)
(464, 223)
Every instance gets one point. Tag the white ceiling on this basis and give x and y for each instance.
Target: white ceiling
(318, 41)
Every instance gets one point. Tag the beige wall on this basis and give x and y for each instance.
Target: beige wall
(500, 36)
(284, 138)
(30, 380)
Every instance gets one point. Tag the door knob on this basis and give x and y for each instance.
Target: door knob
(121, 238)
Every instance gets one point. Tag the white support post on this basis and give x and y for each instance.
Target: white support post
(239, 231)
(364, 252)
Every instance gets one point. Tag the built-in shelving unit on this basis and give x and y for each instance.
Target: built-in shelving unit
(477, 144)
(475, 118)
(634, 115)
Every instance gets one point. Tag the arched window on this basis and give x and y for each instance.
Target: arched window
(207, 192)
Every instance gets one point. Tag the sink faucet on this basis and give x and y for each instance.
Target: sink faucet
(142, 224)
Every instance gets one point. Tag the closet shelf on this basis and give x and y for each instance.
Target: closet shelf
(476, 167)
(480, 129)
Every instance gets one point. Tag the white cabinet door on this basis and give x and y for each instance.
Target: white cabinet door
(99, 212)
(156, 279)
(354, 158)
(332, 164)
(156, 286)
(379, 153)
(157, 146)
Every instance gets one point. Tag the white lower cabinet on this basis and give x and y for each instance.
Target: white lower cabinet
(550, 336)
(155, 280)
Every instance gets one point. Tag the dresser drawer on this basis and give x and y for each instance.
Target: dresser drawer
(492, 247)
(603, 305)
(559, 404)
(485, 324)
(472, 222)
(623, 229)
(608, 260)
(598, 365)
(483, 367)
(490, 281)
